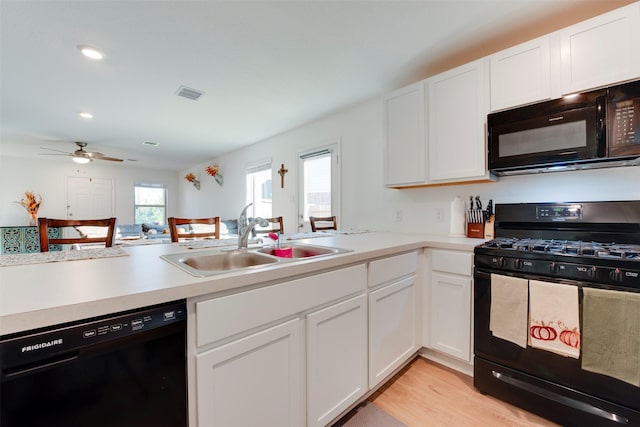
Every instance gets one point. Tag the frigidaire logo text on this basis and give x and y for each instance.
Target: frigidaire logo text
(42, 345)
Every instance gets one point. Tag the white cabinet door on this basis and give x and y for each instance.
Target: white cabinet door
(404, 136)
(602, 50)
(451, 315)
(253, 381)
(336, 359)
(521, 74)
(393, 317)
(458, 107)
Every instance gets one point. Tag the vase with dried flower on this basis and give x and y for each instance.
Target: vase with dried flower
(190, 177)
(31, 203)
(214, 171)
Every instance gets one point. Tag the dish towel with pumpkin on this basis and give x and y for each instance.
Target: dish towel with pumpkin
(554, 319)
(611, 334)
(509, 303)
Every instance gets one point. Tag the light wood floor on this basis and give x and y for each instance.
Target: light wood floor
(426, 394)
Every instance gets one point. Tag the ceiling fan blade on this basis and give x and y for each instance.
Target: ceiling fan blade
(111, 159)
(92, 154)
(52, 149)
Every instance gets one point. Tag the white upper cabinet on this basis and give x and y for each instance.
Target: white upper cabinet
(521, 74)
(602, 50)
(458, 106)
(404, 136)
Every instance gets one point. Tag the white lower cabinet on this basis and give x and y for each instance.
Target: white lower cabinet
(301, 352)
(393, 317)
(336, 359)
(253, 381)
(450, 303)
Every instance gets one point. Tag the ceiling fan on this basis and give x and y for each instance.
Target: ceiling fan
(80, 155)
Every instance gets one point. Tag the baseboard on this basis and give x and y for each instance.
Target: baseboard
(448, 361)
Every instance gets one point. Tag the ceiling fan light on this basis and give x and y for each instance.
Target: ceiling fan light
(81, 160)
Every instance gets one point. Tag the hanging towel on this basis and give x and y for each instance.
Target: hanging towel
(508, 316)
(554, 322)
(611, 327)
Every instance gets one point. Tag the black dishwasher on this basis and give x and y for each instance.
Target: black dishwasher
(125, 369)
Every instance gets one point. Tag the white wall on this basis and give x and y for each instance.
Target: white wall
(366, 204)
(48, 178)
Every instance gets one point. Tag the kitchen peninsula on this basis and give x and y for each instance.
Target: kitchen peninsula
(33, 296)
(384, 275)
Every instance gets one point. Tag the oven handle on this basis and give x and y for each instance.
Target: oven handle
(567, 401)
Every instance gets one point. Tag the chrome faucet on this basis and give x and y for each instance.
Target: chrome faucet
(243, 238)
(245, 228)
(242, 220)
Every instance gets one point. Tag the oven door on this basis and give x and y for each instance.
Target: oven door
(538, 379)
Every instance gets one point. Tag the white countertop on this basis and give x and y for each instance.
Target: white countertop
(38, 295)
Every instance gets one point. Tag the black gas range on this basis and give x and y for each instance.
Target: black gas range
(605, 263)
(589, 247)
(590, 241)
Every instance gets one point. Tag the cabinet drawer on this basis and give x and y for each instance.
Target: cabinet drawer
(394, 267)
(455, 262)
(223, 317)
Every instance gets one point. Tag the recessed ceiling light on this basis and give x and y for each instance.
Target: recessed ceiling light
(86, 115)
(90, 52)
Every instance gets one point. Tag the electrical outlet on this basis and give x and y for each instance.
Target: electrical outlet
(399, 215)
(439, 214)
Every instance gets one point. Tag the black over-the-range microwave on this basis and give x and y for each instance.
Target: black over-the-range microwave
(595, 129)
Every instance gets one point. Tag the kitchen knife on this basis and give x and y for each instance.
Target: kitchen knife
(489, 211)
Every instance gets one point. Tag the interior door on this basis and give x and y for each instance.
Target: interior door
(89, 198)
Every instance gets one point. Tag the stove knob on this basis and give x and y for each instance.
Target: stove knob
(518, 264)
(553, 267)
(616, 275)
(503, 262)
(592, 272)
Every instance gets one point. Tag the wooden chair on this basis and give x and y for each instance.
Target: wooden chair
(279, 228)
(323, 223)
(45, 223)
(175, 222)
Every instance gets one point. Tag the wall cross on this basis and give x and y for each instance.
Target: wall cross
(281, 172)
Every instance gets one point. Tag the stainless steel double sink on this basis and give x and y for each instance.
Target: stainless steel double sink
(209, 263)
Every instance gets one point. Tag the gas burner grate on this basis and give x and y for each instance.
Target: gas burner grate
(568, 248)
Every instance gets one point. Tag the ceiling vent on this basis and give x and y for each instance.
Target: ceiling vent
(189, 93)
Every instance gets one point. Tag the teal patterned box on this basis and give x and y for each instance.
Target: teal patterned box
(20, 240)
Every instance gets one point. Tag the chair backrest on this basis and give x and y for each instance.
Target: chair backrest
(213, 229)
(277, 226)
(323, 223)
(103, 235)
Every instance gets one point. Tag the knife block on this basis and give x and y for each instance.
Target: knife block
(475, 230)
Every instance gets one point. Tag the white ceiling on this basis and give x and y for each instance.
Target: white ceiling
(265, 66)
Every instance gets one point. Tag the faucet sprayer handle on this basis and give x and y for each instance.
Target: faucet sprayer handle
(242, 219)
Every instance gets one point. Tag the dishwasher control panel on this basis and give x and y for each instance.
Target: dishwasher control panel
(21, 348)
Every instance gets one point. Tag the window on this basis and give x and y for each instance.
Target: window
(150, 203)
(259, 190)
(319, 183)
